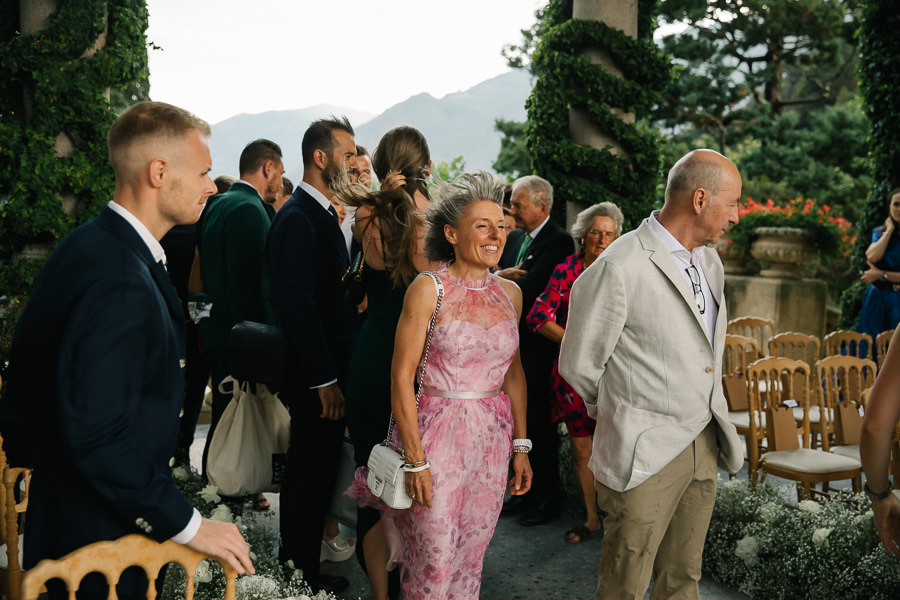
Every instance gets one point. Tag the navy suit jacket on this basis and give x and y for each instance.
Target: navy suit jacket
(551, 247)
(94, 388)
(307, 256)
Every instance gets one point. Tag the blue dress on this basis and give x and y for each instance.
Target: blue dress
(881, 306)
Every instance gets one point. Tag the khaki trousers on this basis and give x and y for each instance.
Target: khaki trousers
(659, 527)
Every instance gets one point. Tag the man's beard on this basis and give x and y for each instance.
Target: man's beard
(331, 174)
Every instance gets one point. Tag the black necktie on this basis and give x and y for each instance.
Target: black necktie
(333, 212)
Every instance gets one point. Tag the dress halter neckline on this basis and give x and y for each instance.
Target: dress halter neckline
(469, 284)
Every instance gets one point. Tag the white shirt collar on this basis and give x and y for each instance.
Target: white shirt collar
(319, 196)
(537, 229)
(691, 257)
(152, 243)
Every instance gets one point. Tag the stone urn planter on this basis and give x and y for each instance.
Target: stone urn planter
(785, 249)
(734, 263)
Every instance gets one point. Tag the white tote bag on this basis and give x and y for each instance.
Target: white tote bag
(246, 454)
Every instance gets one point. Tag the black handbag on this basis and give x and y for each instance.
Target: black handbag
(354, 284)
(257, 352)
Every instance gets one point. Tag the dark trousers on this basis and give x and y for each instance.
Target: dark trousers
(195, 378)
(309, 479)
(537, 360)
(220, 401)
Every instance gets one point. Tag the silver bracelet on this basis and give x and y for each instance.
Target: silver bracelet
(522, 445)
(415, 469)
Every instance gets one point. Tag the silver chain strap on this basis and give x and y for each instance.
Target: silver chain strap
(440, 296)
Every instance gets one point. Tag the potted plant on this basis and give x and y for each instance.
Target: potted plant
(787, 238)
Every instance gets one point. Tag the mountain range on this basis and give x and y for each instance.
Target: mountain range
(459, 124)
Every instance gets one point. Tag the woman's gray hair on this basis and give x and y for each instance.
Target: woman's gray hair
(452, 199)
(586, 217)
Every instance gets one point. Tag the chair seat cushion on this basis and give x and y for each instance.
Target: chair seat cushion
(804, 460)
(814, 416)
(850, 451)
(741, 418)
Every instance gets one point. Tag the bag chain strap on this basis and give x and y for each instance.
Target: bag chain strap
(362, 260)
(440, 296)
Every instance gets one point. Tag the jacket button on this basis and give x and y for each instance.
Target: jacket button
(172, 462)
(709, 369)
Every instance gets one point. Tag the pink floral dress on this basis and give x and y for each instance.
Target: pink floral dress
(466, 427)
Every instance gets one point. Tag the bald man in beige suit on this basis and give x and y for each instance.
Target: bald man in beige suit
(643, 347)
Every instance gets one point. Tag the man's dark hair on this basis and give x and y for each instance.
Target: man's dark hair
(319, 136)
(361, 150)
(287, 185)
(255, 155)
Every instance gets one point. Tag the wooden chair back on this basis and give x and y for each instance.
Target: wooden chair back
(771, 382)
(841, 383)
(848, 343)
(758, 328)
(882, 341)
(739, 352)
(111, 558)
(798, 346)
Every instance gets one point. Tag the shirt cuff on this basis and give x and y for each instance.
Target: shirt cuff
(315, 387)
(188, 533)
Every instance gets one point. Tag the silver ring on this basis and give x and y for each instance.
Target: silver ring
(413, 496)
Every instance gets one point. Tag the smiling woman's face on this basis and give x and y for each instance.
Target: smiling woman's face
(479, 237)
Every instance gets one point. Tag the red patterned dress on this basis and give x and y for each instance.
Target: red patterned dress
(553, 305)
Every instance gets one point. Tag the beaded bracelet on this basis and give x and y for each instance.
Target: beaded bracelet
(416, 467)
(521, 449)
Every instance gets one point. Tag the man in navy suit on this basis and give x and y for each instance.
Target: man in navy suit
(307, 256)
(532, 251)
(96, 372)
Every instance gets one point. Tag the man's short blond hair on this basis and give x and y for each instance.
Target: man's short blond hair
(145, 121)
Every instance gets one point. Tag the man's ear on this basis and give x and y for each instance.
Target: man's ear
(320, 158)
(700, 200)
(157, 169)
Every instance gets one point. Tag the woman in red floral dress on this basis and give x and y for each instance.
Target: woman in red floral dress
(596, 227)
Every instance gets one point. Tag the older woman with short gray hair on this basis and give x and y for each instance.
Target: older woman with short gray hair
(595, 228)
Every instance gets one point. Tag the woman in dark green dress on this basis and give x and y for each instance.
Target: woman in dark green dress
(389, 223)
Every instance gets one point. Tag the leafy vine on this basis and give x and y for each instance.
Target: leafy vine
(54, 93)
(567, 79)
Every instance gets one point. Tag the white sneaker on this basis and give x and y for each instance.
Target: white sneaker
(337, 549)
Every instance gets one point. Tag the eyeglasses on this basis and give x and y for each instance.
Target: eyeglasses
(610, 235)
(699, 298)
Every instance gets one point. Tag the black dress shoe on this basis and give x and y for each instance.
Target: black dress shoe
(544, 512)
(516, 505)
(330, 583)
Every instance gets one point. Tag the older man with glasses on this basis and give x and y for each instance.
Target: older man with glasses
(643, 347)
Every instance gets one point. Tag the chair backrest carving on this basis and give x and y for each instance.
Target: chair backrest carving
(739, 352)
(111, 558)
(798, 346)
(758, 328)
(882, 341)
(841, 381)
(848, 343)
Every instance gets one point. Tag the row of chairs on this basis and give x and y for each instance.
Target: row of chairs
(109, 558)
(800, 415)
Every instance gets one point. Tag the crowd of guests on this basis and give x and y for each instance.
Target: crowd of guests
(482, 329)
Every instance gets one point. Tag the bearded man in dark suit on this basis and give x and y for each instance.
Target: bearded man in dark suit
(96, 373)
(307, 256)
(532, 251)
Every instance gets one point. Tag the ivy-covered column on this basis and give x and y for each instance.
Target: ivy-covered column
(592, 78)
(58, 61)
(879, 81)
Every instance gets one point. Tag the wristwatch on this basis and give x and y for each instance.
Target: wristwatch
(884, 275)
(880, 496)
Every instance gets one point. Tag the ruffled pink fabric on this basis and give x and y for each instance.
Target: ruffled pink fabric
(468, 444)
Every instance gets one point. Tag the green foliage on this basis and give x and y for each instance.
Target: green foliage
(449, 171)
(766, 549)
(513, 160)
(879, 80)
(52, 86)
(568, 80)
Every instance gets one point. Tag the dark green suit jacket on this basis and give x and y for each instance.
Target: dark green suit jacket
(232, 242)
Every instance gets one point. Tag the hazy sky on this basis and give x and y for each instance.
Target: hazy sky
(219, 58)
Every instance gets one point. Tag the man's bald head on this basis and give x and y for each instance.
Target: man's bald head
(703, 168)
(143, 130)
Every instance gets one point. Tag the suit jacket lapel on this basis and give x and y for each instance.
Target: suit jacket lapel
(715, 276)
(662, 258)
(127, 234)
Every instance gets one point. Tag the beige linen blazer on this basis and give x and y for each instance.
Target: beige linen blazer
(637, 352)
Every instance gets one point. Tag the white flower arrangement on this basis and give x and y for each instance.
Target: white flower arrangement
(766, 548)
(273, 580)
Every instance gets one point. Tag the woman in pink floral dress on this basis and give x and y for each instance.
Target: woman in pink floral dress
(471, 417)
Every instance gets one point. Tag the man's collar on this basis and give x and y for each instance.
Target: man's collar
(152, 243)
(316, 194)
(251, 186)
(669, 241)
(537, 230)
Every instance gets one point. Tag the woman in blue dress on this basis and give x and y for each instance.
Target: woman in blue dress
(881, 306)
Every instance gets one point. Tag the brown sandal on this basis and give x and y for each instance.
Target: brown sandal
(581, 533)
